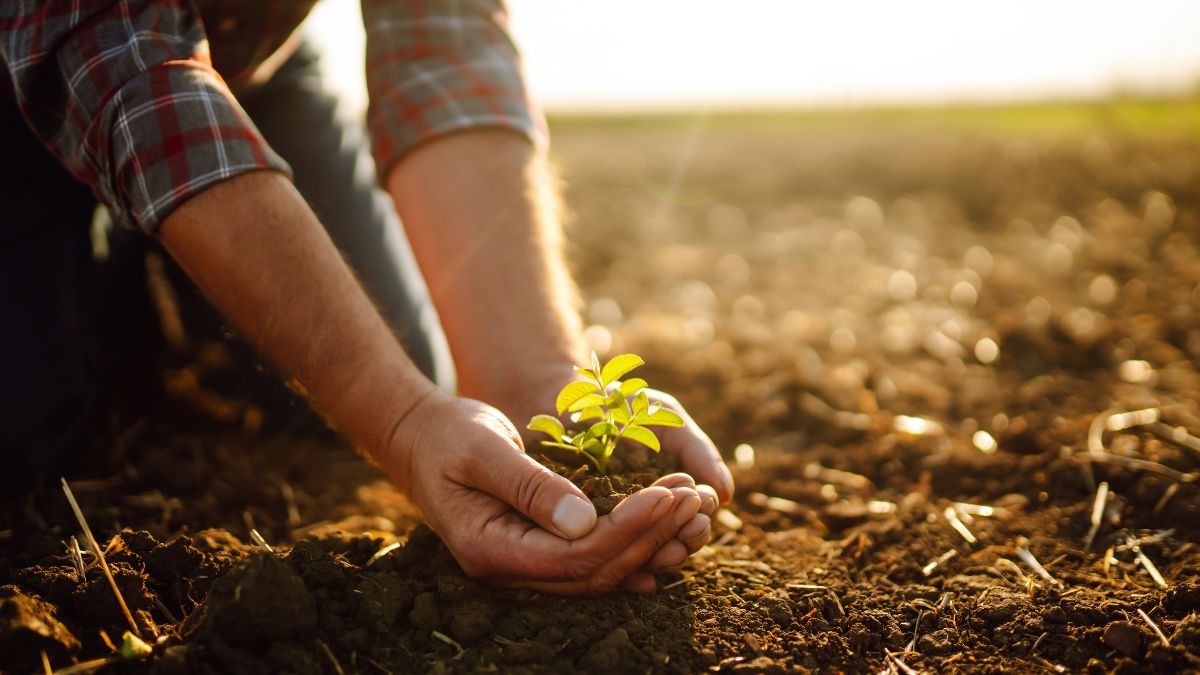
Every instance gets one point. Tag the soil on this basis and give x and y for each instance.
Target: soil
(630, 469)
(886, 321)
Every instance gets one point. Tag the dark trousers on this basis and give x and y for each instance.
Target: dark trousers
(60, 314)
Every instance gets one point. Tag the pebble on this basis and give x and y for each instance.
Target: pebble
(1123, 637)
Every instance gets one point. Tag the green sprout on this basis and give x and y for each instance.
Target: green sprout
(621, 410)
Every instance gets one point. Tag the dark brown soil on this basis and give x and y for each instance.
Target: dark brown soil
(630, 469)
(854, 303)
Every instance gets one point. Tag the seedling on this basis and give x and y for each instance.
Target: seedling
(617, 410)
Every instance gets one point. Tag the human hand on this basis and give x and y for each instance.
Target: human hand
(510, 520)
(702, 464)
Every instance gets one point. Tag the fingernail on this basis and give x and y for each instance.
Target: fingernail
(660, 509)
(688, 508)
(574, 517)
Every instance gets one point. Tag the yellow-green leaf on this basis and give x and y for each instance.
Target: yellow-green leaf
(595, 449)
(547, 424)
(619, 365)
(620, 414)
(632, 386)
(642, 435)
(602, 429)
(663, 418)
(593, 413)
(585, 372)
(588, 401)
(133, 647)
(640, 403)
(572, 393)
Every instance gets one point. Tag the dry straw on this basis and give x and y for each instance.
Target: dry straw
(87, 532)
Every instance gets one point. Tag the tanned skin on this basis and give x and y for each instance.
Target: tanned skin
(489, 249)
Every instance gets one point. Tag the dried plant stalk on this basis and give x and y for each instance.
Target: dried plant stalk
(87, 532)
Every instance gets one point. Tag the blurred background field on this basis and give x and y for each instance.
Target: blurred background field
(936, 296)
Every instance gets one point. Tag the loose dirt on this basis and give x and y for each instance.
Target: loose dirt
(928, 342)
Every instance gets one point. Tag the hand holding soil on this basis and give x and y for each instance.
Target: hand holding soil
(462, 462)
(686, 443)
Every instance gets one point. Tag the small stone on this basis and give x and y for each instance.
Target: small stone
(614, 652)
(1123, 637)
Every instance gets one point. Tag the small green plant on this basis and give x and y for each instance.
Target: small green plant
(617, 409)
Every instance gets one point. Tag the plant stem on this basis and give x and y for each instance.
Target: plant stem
(577, 451)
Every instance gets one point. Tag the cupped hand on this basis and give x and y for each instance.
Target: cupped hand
(703, 468)
(508, 519)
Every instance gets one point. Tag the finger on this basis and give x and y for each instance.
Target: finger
(698, 455)
(640, 582)
(510, 548)
(709, 500)
(630, 560)
(543, 496)
(674, 480)
(672, 554)
(696, 534)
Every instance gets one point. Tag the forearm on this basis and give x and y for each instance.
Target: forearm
(256, 249)
(480, 210)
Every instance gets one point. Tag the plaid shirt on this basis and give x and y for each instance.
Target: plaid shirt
(134, 98)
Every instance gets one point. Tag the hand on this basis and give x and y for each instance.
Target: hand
(699, 458)
(510, 520)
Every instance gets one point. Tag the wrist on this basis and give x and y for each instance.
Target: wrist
(380, 393)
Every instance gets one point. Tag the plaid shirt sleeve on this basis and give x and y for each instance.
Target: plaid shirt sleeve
(438, 66)
(123, 93)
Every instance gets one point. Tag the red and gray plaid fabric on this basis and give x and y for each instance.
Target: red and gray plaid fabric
(126, 95)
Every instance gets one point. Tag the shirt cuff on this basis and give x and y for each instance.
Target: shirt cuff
(418, 93)
(166, 135)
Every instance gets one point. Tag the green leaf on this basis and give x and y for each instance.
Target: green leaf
(602, 429)
(588, 401)
(595, 449)
(632, 386)
(547, 424)
(663, 418)
(620, 414)
(133, 647)
(619, 365)
(642, 435)
(586, 373)
(592, 413)
(640, 403)
(572, 393)
(595, 364)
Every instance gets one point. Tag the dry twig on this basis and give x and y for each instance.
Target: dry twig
(937, 562)
(1154, 627)
(1028, 558)
(959, 526)
(87, 532)
(262, 543)
(337, 667)
(1148, 564)
(1097, 515)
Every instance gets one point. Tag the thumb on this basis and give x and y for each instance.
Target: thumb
(545, 497)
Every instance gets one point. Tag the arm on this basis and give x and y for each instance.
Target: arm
(496, 272)
(451, 123)
(258, 252)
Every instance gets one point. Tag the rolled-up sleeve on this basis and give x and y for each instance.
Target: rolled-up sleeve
(439, 66)
(124, 95)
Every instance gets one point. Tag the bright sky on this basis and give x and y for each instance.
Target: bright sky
(619, 54)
